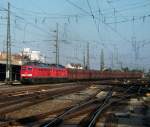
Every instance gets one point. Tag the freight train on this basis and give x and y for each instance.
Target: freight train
(47, 73)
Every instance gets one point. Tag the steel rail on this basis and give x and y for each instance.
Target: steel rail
(107, 104)
(38, 99)
(59, 119)
(42, 116)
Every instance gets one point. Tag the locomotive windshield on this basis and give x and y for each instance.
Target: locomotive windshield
(23, 68)
(29, 68)
(44, 65)
(26, 68)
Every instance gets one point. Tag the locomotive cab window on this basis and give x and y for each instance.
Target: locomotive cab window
(29, 68)
(23, 68)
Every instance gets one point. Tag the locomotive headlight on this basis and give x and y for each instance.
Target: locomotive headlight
(23, 74)
(26, 75)
(29, 74)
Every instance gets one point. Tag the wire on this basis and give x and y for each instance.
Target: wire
(83, 10)
(110, 11)
(3, 9)
(143, 18)
(44, 14)
(93, 17)
(96, 17)
(30, 23)
(99, 10)
(127, 8)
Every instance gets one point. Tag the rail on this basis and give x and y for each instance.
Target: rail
(91, 120)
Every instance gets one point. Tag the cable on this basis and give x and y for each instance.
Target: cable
(143, 18)
(127, 8)
(114, 30)
(93, 17)
(32, 24)
(43, 14)
(102, 22)
(23, 20)
(99, 10)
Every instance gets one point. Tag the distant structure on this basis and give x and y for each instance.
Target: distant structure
(20, 58)
(29, 55)
(74, 66)
(16, 59)
(84, 60)
(102, 60)
(88, 57)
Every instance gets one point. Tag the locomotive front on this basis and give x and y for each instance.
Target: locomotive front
(26, 74)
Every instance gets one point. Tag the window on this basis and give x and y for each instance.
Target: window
(23, 68)
(29, 69)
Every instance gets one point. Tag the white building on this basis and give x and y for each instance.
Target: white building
(35, 56)
(26, 51)
(32, 55)
(74, 66)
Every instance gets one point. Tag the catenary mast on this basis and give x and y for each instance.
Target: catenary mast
(8, 49)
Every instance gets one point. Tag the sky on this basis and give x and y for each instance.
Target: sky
(118, 27)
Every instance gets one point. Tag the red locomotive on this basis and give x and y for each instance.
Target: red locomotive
(42, 73)
(46, 73)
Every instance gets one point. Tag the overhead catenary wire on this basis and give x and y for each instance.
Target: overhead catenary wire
(94, 20)
(22, 19)
(142, 18)
(111, 28)
(46, 16)
(128, 7)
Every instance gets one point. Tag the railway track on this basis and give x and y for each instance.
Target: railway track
(90, 108)
(12, 90)
(67, 110)
(9, 103)
(94, 107)
(30, 89)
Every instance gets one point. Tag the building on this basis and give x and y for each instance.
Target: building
(30, 55)
(74, 66)
(16, 59)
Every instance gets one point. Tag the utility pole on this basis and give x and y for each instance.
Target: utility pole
(56, 45)
(112, 60)
(88, 57)
(117, 59)
(121, 66)
(135, 48)
(84, 61)
(8, 54)
(134, 44)
(102, 60)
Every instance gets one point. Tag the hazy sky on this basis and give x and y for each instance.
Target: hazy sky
(120, 27)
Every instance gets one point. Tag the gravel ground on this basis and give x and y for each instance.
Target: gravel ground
(51, 105)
